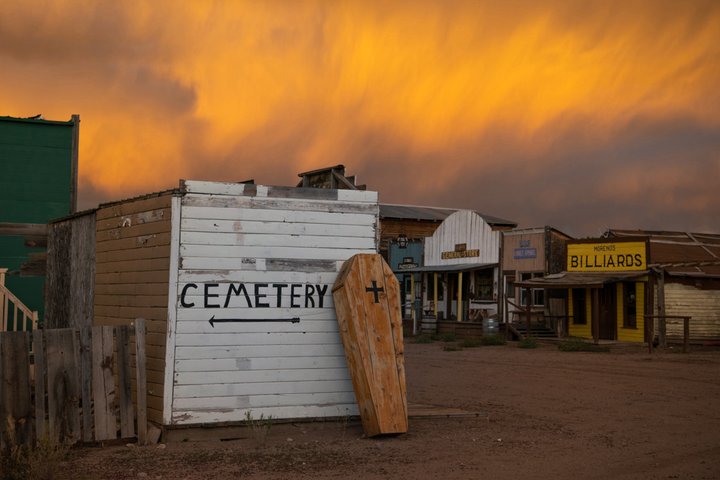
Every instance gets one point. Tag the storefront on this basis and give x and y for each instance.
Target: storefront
(460, 275)
(607, 289)
(531, 253)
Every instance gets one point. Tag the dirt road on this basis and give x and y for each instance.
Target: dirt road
(542, 414)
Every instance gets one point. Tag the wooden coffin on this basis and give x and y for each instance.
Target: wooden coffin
(367, 302)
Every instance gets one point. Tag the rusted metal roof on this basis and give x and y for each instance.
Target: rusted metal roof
(438, 214)
(678, 253)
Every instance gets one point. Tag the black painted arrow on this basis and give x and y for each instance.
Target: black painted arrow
(214, 320)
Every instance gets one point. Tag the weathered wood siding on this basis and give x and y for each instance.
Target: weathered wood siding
(70, 282)
(556, 252)
(702, 305)
(466, 227)
(277, 350)
(518, 246)
(132, 278)
(390, 229)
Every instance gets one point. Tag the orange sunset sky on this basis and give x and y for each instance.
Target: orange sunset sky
(582, 115)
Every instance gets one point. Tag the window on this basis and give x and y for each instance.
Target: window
(537, 294)
(629, 305)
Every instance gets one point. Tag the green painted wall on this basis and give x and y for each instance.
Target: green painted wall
(35, 187)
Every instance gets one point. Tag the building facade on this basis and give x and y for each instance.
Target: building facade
(38, 182)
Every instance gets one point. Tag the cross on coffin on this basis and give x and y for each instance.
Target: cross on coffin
(375, 290)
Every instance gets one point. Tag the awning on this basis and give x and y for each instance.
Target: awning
(579, 279)
(461, 267)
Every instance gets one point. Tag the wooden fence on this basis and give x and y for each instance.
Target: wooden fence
(73, 385)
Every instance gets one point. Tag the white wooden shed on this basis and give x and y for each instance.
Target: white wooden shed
(235, 283)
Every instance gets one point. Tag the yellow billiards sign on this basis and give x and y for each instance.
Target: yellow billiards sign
(607, 257)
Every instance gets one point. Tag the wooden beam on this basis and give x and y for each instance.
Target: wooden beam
(74, 165)
(141, 381)
(24, 229)
(459, 298)
(435, 294)
(661, 310)
(39, 353)
(528, 311)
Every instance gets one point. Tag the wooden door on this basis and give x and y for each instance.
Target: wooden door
(608, 312)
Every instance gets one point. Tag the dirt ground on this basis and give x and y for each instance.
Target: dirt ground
(542, 414)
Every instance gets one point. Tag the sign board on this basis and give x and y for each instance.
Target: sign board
(523, 253)
(255, 329)
(460, 251)
(607, 257)
(406, 266)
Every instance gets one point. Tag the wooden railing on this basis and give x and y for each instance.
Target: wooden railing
(14, 315)
(662, 334)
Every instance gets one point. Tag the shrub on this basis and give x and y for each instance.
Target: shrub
(470, 343)
(452, 348)
(445, 337)
(492, 340)
(259, 427)
(579, 345)
(39, 461)
(528, 342)
(423, 338)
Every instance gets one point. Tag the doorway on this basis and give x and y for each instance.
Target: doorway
(608, 312)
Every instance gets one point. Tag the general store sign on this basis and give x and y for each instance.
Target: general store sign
(460, 251)
(607, 257)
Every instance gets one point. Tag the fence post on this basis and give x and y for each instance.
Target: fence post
(39, 353)
(662, 327)
(651, 333)
(15, 407)
(86, 382)
(141, 381)
(686, 333)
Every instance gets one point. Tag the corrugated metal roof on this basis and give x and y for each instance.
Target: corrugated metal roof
(417, 212)
(678, 252)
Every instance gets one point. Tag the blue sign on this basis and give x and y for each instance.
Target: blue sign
(521, 253)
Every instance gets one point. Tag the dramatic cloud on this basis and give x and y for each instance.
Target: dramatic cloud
(582, 115)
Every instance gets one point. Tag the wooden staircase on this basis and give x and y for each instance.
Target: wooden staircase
(539, 331)
(14, 315)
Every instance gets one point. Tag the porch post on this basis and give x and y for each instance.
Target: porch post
(412, 301)
(459, 298)
(2, 276)
(435, 293)
(661, 311)
(528, 311)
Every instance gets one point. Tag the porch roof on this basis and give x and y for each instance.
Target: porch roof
(460, 267)
(579, 279)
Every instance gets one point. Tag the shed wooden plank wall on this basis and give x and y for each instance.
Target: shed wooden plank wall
(702, 305)
(70, 283)
(131, 280)
(254, 235)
